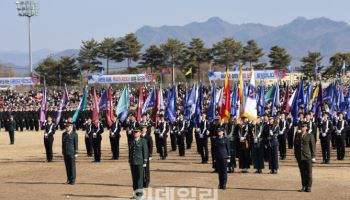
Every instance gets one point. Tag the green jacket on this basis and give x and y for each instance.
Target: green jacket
(138, 152)
(69, 143)
(304, 146)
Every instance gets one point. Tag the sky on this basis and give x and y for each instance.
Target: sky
(63, 24)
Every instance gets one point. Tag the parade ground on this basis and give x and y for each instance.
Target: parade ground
(24, 174)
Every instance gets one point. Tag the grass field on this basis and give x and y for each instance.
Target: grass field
(24, 174)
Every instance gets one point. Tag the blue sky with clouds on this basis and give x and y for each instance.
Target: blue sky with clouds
(62, 24)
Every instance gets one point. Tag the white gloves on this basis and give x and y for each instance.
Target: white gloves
(76, 155)
(313, 160)
(144, 165)
(150, 158)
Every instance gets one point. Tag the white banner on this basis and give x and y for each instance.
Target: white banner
(122, 78)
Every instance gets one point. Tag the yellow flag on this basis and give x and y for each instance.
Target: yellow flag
(189, 72)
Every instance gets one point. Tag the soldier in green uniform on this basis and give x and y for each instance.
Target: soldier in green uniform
(304, 151)
(138, 157)
(70, 152)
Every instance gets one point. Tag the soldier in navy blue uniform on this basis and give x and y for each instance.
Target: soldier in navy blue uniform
(213, 133)
(258, 147)
(163, 128)
(341, 128)
(88, 137)
(270, 133)
(114, 137)
(282, 136)
(290, 133)
(131, 124)
(181, 134)
(222, 156)
(173, 135)
(334, 134)
(203, 134)
(189, 133)
(245, 145)
(97, 130)
(325, 128)
(149, 141)
(50, 129)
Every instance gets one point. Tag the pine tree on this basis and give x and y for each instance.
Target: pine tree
(227, 52)
(279, 58)
(251, 53)
(88, 55)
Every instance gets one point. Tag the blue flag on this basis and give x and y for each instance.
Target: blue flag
(103, 101)
(198, 111)
(170, 111)
(150, 101)
(261, 101)
(211, 107)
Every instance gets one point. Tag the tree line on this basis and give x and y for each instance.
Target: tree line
(95, 56)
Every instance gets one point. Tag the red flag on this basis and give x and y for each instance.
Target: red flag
(95, 109)
(286, 106)
(155, 110)
(139, 105)
(226, 100)
(110, 114)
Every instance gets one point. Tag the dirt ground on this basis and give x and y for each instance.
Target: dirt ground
(25, 175)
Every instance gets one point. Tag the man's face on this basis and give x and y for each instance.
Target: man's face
(137, 134)
(49, 119)
(68, 128)
(303, 129)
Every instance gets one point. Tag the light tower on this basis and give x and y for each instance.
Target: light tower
(28, 9)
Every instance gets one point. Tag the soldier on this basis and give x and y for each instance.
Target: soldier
(189, 133)
(304, 151)
(163, 128)
(149, 141)
(130, 124)
(114, 137)
(282, 136)
(36, 112)
(48, 138)
(97, 130)
(222, 157)
(340, 140)
(258, 147)
(311, 126)
(334, 134)
(233, 138)
(11, 127)
(213, 133)
(70, 152)
(173, 135)
(290, 132)
(88, 137)
(325, 137)
(245, 146)
(138, 157)
(270, 133)
(203, 134)
(181, 134)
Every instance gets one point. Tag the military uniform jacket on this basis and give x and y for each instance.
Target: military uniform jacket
(88, 130)
(163, 128)
(222, 148)
(311, 127)
(114, 131)
(138, 152)
(131, 126)
(203, 129)
(284, 127)
(69, 143)
(270, 133)
(304, 146)
(149, 142)
(181, 126)
(341, 128)
(97, 131)
(49, 130)
(325, 128)
(11, 125)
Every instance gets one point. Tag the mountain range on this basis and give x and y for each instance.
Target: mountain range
(298, 37)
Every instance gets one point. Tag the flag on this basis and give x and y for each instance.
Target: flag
(190, 101)
(156, 107)
(294, 107)
(110, 114)
(270, 94)
(319, 102)
(43, 108)
(241, 95)
(150, 101)
(123, 105)
(261, 101)
(102, 105)
(286, 100)
(308, 98)
(348, 101)
(95, 108)
(226, 100)
(170, 106)
(161, 99)
(211, 107)
(184, 102)
(197, 114)
(250, 110)
(139, 105)
(81, 106)
(291, 100)
(63, 104)
(189, 72)
(233, 100)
